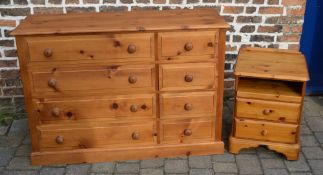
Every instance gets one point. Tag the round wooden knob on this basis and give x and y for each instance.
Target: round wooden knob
(264, 132)
(48, 52)
(267, 111)
(115, 106)
(131, 48)
(188, 106)
(59, 139)
(132, 79)
(55, 112)
(187, 132)
(52, 83)
(133, 108)
(188, 78)
(135, 136)
(188, 46)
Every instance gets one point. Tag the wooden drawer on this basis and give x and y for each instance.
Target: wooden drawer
(188, 45)
(187, 104)
(65, 79)
(114, 47)
(93, 135)
(114, 108)
(187, 76)
(266, 131)
(268, 110)
(187, 131)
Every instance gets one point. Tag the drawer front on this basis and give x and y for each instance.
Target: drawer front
(187, 76)
(268, 110)
(114, 108)
(187, 131)
(93, 135)
(187, 45)
(187, 104)
(93, 78)
(91, 47)
(265, 131)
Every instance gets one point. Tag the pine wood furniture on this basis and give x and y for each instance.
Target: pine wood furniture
(123, 85)
(270, 89)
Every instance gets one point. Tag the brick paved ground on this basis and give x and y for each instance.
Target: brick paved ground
(15, 149)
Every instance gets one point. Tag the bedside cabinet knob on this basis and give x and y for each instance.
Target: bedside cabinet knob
(55, 112)
(52, 83)
(133, 108)
(135, 136)
(187, 132)
(264, 132)
(59, 139)
(188, 46)
(132, 48)
(188, 106)
(267, 111)
(115, 106)
(188, 78)
(48, 52)
(132, 79)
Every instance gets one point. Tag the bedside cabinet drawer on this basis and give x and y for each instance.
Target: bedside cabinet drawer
(187, 104)
(94, 135)
(187, 76)
(60, 80)
(187, 131)
(127, 47)
(266, 131)
(268, 110)
(186, 45)
(113, 107)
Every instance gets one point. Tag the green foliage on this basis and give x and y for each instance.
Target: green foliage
(5, 118)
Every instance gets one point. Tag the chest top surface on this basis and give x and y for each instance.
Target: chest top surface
(134, 21)
(271, 64)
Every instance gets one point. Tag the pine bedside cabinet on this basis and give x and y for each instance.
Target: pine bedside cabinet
(123, 85)
(270, 88)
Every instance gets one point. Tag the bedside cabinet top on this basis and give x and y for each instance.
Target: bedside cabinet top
(271, 64)
(134, 21)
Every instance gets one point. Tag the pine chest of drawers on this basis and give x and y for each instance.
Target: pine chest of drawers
(270, 88)
(122, 85)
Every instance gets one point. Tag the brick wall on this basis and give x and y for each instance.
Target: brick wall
(260, 23)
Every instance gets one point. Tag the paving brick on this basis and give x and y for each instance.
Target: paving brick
(305, 130)
(272, 163)
(103, 167)
(200, 162)
(226, 157)
(309, 140)
(152, 163)
(10, 141)
(152, 171)
(319, 136)
(317, 166)
(79, 169)
(297, 165)
(176, 166)
(276, 172)
(248, 164)
(224, 167)
(6, 154)
(19, 127)
(30, 172)
(3, 130)
(303, 173)
(23, 150)
(52, 171)
(22, 163)
(127, 168)
(313, 152)
(201, 172)
(315, 123)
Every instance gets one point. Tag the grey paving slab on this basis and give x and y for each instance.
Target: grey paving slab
(19, 127)
(27, 140)
(23, 150)
(152, 171)
(176, 166)
(79, 169)
(152, 163)
(103, 167)
(226, 157)
(3, 130)
(264, 152)
(297, 165)
(305, 130)
(248, 164)
(315, 123)
(21, 163)
(302, 173)
(52, 171)
(127, 168)
(10, 141)
(200, 162)
(317, 166)
(275, 172)
(319, 136)
(225, 167)
(201, 172)
(313, 152)
(6, 154)
(309, 140)
(29, 172)
(272, 163)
